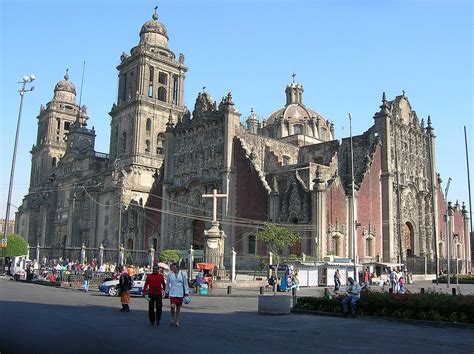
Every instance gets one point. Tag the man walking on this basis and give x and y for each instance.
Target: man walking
(125, 284)
(88, 274)
(154, 285)
(393, 280)
(352, 297)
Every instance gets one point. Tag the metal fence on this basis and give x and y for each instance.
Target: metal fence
(422, 265)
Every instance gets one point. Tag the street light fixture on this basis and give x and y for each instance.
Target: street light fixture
(25, 80)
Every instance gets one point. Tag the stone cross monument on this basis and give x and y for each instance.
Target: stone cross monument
(214, 249)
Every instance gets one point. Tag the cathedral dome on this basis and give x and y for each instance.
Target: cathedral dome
(154, 32)
(65, 89)
(295, 118)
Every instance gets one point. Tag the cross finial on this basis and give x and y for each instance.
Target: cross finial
(293, 76)
(203, 89)
(403, 93)
(66, 76)
(155, 15)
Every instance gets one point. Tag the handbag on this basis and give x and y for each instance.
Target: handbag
(186, 298)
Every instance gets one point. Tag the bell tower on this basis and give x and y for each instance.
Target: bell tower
(150, 91)
(54, 123)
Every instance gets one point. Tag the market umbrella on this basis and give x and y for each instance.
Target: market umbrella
(163, 265)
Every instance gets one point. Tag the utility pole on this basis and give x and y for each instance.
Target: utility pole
(353, 222)
(26, 80)
(448, 236)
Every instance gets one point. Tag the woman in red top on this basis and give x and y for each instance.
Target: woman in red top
(154, 285)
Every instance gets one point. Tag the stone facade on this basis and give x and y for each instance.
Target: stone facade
(288, 169)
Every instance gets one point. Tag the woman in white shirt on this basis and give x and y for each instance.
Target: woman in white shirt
(176, 288)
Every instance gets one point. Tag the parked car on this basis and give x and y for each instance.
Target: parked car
(110, 286)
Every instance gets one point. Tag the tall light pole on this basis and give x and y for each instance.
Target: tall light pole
(448, 241)
(353, 222)
(25, 80)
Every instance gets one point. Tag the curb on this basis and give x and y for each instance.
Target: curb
(466, 326)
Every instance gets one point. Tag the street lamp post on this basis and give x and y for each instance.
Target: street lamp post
(353, 222)
(448, 243)
(26, 80)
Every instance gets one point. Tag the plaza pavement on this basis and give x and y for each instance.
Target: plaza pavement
(40, 319)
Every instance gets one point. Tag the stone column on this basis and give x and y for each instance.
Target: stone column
(38, 253)
(101, 254)
(151, 256)
(27, 249)
(318, 242)
(233, 274)
(121, 255)
(214, 249)
(467, 239)
(190, 262)
(83, 254)
(383, 121)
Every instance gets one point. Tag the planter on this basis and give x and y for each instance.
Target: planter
(274, 304)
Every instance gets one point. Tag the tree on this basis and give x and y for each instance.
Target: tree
(16, 246)
(169, 256)
(277, 238)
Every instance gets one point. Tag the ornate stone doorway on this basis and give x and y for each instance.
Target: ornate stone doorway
(198, 234)
(408, 238)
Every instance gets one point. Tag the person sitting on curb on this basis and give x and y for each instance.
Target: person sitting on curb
(352, 297)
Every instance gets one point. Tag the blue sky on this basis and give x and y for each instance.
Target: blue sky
(345, 53)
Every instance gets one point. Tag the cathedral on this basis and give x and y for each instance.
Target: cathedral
(148, 191)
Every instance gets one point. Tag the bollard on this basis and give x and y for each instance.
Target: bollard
(453, 291)
(229, 290)
(261, 290)
(293, 294)
(422, 290)
(326, 292)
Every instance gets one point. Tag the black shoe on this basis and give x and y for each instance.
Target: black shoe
(122, 310)
(158, 323)
(152, 324)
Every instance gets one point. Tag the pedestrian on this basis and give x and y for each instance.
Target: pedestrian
(366, 277)
(87, 278)
(124, 285)
(393, 280)
(337, 280)
(154, 284)
(352, 298)
(176, 288)
(401, 285)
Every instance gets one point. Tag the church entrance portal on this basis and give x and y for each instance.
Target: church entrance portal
(198, 234)
(408, 237)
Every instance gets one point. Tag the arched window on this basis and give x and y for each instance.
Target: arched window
(441, 250)
(150, 82)
(159, 143)
(369, 247)
(124, 142)
(148, 125)
(162, 94)
(335, 245)
(458, 251)
(147, 145)
(175, 89)
(130, 244)
(297, 129)
(155, 243)
(251, 244)
(53, 163)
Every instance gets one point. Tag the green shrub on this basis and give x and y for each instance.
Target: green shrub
(428, 306)
(16, 246)
(169, 256)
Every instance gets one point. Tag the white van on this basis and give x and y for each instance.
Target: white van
(18, 267)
